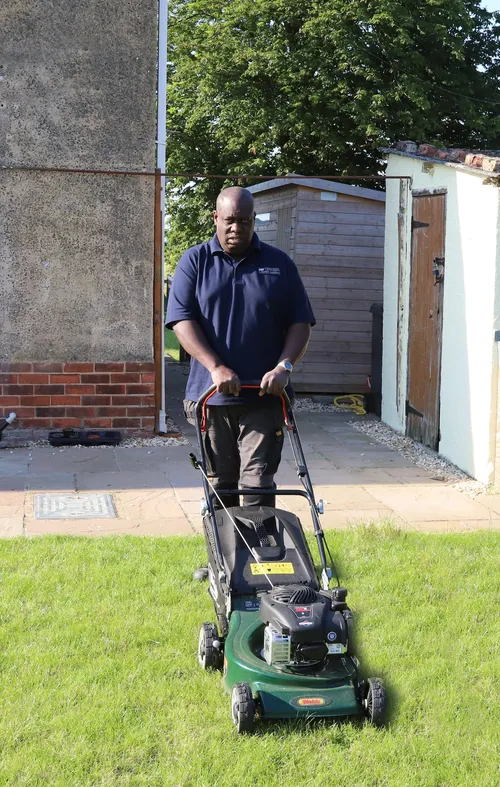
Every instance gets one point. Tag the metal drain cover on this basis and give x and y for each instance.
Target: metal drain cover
(74, 507)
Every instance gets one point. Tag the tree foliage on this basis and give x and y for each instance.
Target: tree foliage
(280, 86)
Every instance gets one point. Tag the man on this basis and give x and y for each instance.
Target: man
(239, 308)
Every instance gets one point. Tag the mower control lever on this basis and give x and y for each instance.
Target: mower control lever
(194, 461)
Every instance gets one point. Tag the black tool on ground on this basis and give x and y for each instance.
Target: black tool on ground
(70, 436)
(4, 423)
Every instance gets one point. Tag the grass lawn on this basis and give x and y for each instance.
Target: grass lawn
(171, 345)
(100, 683)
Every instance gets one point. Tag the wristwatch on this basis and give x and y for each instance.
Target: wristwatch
(286, 365)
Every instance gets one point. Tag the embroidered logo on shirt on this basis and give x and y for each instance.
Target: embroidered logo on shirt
(274, 271)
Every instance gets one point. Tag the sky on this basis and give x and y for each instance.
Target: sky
(491, 5)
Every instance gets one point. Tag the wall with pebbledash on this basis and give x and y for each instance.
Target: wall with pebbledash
(77, 91)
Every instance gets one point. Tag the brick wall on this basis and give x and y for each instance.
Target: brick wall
(88, 395)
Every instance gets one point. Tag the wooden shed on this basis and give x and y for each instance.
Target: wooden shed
(335, 235)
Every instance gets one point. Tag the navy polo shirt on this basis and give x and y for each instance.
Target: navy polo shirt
(244, 309)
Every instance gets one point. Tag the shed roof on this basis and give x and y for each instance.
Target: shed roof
(321, 185)
(477, 162)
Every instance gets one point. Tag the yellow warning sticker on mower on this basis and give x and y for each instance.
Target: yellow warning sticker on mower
(272, 568)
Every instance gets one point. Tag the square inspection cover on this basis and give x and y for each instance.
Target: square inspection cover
(74, 507)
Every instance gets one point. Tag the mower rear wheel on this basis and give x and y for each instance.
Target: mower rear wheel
(243, 707)
(375, 702)
(208, 655)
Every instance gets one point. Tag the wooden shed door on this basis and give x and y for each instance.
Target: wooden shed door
(426, 318)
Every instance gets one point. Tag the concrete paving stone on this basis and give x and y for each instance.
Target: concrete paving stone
(356, 516)
(317, 447)
(152, 504)
(315, 463)
(345, 497)
(139, 458)
(104, 527)
(11, 511)
(12, 497)
(338, 499)
(347, 435)
(50, 482)
(188, 493)
(181, 473)
(380, 461)
(195, 523)
(11, 526)
(414, 475)
(287, 478)
(491, 502)
(73, 460)
(318, 478)
(12, 483)
(148, 479)
(363, 476)
(191, 507)
(429, 503)
(14, 464)
(490, 524)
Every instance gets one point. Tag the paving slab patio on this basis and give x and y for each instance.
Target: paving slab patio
(156, 491)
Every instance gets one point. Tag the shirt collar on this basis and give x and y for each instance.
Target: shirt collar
(216, 248)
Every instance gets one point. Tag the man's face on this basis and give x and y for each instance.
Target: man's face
(235, 225)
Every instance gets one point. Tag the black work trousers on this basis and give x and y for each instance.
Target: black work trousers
(243, 444)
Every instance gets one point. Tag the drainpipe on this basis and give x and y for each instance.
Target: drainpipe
(161, 145)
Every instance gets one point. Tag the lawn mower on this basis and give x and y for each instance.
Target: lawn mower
(284, 639)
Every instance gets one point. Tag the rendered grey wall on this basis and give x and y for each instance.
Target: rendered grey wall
(77, 89)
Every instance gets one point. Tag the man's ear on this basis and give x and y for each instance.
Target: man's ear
(215, 216)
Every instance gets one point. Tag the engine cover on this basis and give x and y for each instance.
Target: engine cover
(310, 622)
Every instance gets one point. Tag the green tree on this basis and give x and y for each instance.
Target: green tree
(279, 86)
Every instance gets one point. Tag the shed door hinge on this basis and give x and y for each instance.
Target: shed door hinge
(409, 410)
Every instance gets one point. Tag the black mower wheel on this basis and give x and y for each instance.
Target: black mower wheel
(375, 702)
(208, 655)
(243, 707)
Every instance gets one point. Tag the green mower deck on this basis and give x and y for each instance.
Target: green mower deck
(282, 693)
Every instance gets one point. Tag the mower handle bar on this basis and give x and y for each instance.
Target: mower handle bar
(201, 405)
(302, 471)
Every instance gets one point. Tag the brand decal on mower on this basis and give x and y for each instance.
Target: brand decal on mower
(272, 568)
(306, 623)
(303, 612)
(253, 604)
(332, 636)
(309, 701)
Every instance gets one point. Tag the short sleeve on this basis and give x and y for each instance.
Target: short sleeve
(300, 309)
(182, 304)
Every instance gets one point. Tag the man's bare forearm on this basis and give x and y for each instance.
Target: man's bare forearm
(192, 338)
(296, 341)
(294, 347)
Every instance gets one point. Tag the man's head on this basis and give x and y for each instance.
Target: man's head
(234, 218)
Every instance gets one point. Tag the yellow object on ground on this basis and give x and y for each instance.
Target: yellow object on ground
(353, 402)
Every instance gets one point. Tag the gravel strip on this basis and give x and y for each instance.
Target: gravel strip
(310, 406)
(421, 456)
